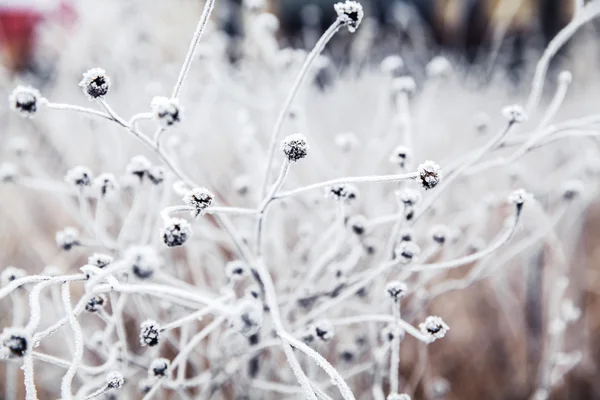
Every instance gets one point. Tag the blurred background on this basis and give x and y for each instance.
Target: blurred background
(41, 39)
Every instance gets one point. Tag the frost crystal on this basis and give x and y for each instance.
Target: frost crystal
(430, 174)
(200, 199)
(295, 147)
(149, 333)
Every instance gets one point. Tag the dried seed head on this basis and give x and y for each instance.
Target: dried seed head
(25, 100)
(149, 333)
(100, 260)
(138, 166)
(357, 224)
(248, 317)
(323, 330)
(199, 198)
(404, 84)
(572, 189)
(8, 172)
(430, 174)
(95, 303)
(350, 13)
(166, 112)
(156, 174)
(14, 342)
(159, 368)
(396, 396)
(438, 67)
(67, 238)
(115, 380)
(295, 147)
(409, 196)
(400, 156)
(407, 252)
(370, 246)
(396, 289)
(236, 270)
(346, 141)
(95, 83)
(176, 232)
(514, 113)
(390, 331)
(434, 327)
(344, 192)
(105, 184)
(145, 385)
(11, 273)
(439, 234)
(392, 65)
(79, 176)
(144, 261)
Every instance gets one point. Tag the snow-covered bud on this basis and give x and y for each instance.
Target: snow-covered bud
(438, 67)
(519, 197)
(370, 246)
(344, 192)
(156, 174)
(95, 303)
(100, 260)
(25, 100)
(409, 197)
(481, 121)
(396, 289)
(95, 83)
(241, 185)
(350, 13)
(407, 252)
(79, 176)
(434, 327)
(323, 330)
(400, 156)
(392, 65)
(115, 380)
(14, 342)
(144, 261)
(105, 184)
(166, 112)
(439, 234)
(199, 198)
(357, 224)
(8, 172)
(138, 166)
(514, 113)
(397, 396)
(67, 238)
(346, 141)
(295, 147)
(149, 333)
(236, 270)
(440, 387)
(572, 189)
(406, 234)
(248, 317)
(145, 385)
(430, 174)
(404, 84)
(159, 368)
(176, 232)
(565, 77)
(11, 273)
(569, 311)
(254, 6)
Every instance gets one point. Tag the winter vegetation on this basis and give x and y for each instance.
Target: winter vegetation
(341, 222)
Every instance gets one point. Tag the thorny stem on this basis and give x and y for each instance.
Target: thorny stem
(319, 46)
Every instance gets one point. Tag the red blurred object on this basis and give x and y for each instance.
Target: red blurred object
(18, 25)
